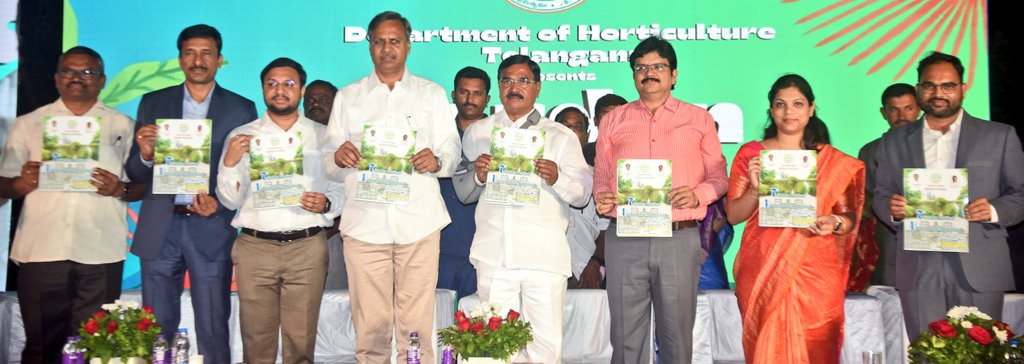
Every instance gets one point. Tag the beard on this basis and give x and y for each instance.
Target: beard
(286, 110)
(951, 108)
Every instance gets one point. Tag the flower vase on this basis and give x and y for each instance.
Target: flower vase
(117, 360)
(485, 360)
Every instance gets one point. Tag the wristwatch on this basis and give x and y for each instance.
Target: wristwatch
(839, 223)
(125, 191)
(327, 206)
(438, 159)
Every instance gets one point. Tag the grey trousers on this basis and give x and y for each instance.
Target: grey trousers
(663, 272)
(941, 284)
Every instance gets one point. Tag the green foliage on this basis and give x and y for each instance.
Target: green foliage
(119, 330)
(961, 338)
(487, 334)
(137, 79)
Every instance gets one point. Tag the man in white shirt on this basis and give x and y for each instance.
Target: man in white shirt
(931, 282)
(521, 254)
(281, 255)
(69, 246)
(391, 247)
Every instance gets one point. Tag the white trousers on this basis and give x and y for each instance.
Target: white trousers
(538, 295)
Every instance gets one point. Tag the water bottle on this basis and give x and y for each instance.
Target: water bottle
(447, 355)
(412, 353)
(160, 350)
(179, 352)
(71, 354)
(1014, 355)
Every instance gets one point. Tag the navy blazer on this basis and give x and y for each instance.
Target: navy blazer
(992, 154)
(228, 111)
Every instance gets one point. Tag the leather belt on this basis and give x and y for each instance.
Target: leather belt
(677, 225)
(283, 235)
(182, 210)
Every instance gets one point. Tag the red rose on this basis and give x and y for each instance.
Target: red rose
(478, 326)
(463, 325)
(513, 315)
(147, 309)
(111, 327)
(99, 315)
(494, 323)
(91, 327)
(460, 316)
(1003, 326)
(144, 324)
(980, 335)
(942, 328)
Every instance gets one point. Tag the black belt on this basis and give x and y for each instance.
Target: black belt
(283, 235)
(678, 225)
(182, 210)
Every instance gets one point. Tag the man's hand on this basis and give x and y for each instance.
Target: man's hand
(314, 202)
(683, 198)
(107, 184)
(347, 156)
(481, 164)
(425, 161)
(605, 202)
(146, 139)
(979, 210)
(238, 145)
(590, 278)
(548, 171)
(203, 204)
(29, 179)
(897, 207)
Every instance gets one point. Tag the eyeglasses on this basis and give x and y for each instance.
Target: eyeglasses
(642, 68)
(508, 82)
(380, 42)
(288, 84)
(947, 87)
(84, 74)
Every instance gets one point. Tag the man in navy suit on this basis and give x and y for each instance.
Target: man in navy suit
(176, 233)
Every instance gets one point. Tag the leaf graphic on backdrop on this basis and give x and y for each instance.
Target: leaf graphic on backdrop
(140, 78)
(892, 32)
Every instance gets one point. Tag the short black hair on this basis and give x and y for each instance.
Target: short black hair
(328, 85)
(654, 44)
(285, 62)
(560, 118)
(476, 73)
(83, 50)
(200, 31)
(608, 100)
(939, 57)
(385, 16)
(897, 90)
(520, 59)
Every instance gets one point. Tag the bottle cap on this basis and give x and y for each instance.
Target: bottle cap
(183, 330)
(414, 334)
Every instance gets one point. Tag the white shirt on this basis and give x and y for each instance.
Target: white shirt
(415, 103)
(582, 234)
(234, 183)
(530, 237)
(83, 227)
(940, 150)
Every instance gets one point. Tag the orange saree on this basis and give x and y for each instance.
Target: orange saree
(790, 284)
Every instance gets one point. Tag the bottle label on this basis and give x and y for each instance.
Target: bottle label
(412, 356)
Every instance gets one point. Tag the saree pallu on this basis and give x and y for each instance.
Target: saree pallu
(790, 284)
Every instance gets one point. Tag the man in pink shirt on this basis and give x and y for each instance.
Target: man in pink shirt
(664, 271)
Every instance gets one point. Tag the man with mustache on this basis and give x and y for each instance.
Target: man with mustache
(663, 272)
(281, 256)
(899, 108)
(391, 250)
(176, 233)
(930, 282)
(69, 246)
(521, 253)
(471, 97)
(319, 100)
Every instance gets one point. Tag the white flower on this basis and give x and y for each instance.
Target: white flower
(966, 324)
(961, 312)
(1000, 334)
(111, 307)
(494, 309)
(982, 315)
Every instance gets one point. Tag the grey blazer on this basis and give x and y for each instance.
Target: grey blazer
(992, 154)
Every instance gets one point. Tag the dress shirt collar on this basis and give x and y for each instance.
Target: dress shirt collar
(532, 119)
(188, 95)
(953, 128)
(96, 108)
(300, 124)
(375, 81)
(671, 105)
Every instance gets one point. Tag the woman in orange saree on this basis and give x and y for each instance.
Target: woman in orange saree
(790, 282)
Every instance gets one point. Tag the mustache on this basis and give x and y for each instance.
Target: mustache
(937, 99)
(468, 104)
(80, 83)
(198, 68)
(316, 109)
(514, 94)
(650, 79)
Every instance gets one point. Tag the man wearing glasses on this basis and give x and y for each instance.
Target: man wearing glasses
(929, 283)
(663, 272)
(521, 253)
(392, 241)
(69, 246)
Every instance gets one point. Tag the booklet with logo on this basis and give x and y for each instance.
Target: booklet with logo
(385, 168)
(71, 149)
(181, 161)
(644, 207)
(275, 170)
(935, 219)
(511, 177)
(789, 188)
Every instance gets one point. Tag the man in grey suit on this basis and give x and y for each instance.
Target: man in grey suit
(176, 233)
(899, 109)
(930, 283)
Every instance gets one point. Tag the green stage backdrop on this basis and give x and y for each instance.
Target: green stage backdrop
(729, 51)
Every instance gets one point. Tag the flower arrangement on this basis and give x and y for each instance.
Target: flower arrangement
(484, 333)
(966, 335)
(119, 330)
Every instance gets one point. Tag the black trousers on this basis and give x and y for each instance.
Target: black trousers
(56, 297)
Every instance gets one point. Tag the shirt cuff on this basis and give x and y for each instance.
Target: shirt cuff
(145, 162)
(995, 215)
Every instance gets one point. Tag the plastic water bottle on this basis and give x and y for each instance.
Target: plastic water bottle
(1014, 355)
(447, 355)
(179, 352)
(160, 350)
(412, 353)
(71, 354)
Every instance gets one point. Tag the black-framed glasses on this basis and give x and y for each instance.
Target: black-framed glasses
(288, 84)
(508, 82)
(947, 87)
(642, 68)
(83, 74)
